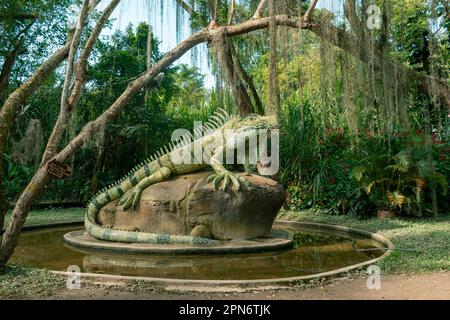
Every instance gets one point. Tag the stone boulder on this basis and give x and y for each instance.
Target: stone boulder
(187, 205)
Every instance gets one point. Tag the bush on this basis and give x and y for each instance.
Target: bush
(356, 174)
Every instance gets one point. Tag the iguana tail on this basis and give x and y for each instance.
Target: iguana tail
(114, 193)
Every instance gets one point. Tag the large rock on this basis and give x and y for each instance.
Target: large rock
(187, 205)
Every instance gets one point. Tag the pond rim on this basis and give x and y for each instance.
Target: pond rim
(388, 246)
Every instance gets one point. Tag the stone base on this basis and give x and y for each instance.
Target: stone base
(188, 205)
(279, 240)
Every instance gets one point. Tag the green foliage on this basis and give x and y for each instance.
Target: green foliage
(136, 134)
(357, 174)
(395, 174)
(16, 177)
(332, 120)
(43, 26)
(422, 244)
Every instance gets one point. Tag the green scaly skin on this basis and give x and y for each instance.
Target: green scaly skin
(160, 168)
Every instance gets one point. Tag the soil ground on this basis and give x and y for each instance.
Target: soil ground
(434, 286)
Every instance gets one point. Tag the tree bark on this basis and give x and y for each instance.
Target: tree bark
(12, 105)
(222, 48)
(274, 92)
(40, 179)
(260, 10)
(98, 167)
(20, 212)
(70, 98)
(231, 12)
(259, 108)
(7, 67)
(149, 57)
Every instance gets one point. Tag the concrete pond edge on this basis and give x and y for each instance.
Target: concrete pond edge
(200, 285)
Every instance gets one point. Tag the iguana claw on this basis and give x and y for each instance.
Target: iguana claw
(131, 199)
(223, 179)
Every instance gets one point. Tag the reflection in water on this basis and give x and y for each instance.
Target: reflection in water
(314, 252)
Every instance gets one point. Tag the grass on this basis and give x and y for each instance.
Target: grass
(18, 282)
(422, 245)
(53, 216)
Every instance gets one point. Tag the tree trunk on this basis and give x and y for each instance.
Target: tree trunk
(259, 108)
(224, 54)
(70, 97)
(20, 213)
(11, 108)
(98, 167)
(7, 67)
(274, 91)
(149, 57)
(41, 177)
(3, 201)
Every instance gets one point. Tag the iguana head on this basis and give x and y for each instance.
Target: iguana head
(249, 129)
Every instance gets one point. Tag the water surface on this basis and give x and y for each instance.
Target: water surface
(314, 252)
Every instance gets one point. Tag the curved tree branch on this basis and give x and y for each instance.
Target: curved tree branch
(260, 10)
(72, 97)
(310, 10)
(186, 7)
(41, 177)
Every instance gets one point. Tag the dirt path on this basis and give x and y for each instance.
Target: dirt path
(429, 286)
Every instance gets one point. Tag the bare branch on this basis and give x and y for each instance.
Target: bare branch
(311, 8)
(186, 7)
(216, 9)
(19, 16)
(68, 105)
(12, 104)
(260, 10)
(231, 13)
(62, 118)
(85, 54)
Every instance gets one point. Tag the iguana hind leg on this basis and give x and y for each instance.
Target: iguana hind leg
(132, 197)
(201, 231)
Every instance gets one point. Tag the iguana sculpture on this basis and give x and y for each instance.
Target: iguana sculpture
(212, 143)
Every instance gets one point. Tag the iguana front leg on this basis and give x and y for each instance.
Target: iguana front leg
(222, 176)
(132, 197)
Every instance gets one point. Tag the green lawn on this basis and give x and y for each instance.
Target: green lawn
(423, 245)
(53, 216)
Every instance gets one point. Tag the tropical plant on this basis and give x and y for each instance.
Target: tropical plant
(398, 181)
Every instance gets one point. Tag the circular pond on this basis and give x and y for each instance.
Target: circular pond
(317, 249)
